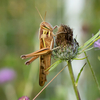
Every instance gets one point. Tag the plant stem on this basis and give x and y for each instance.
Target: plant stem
(73, 80)
(93, 73)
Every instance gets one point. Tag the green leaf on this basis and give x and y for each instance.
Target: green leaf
(93, 38)
(90, 40)
(79, 58)
(55, 65)
(76, 83)
(86, 50)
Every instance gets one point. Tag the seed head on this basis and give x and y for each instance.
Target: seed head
(68, 45)
(64, 35)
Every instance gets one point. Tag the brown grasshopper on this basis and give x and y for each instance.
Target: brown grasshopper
(46, 44)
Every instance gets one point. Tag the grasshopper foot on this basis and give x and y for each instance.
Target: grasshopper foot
(23, 56)
(27, 62)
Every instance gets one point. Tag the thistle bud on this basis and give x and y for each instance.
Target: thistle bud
(68, 46)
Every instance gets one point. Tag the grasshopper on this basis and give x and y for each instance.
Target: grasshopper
(46, 44)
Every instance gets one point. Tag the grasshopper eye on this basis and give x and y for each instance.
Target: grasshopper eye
(45, 26)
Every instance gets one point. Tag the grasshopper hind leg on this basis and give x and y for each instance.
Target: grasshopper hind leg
(42, 75)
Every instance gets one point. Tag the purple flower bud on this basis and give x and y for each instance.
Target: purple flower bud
(97, 44)
(24, 98)
(6, 75)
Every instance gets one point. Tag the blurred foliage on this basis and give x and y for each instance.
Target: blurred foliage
(19, 26)
(91, 17)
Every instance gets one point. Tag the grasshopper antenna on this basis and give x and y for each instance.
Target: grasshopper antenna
(39, 13)
(45, 15)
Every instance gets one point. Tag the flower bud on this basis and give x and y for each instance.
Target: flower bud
(24, 98)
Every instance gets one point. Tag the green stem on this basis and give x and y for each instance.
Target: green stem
(93, 73)
(73, 80)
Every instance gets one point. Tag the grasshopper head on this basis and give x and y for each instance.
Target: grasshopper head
(46, 26)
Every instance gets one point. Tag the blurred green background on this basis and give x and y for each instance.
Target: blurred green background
(19, 27)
